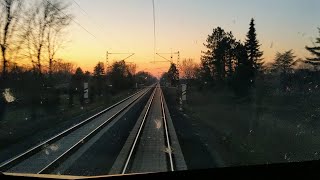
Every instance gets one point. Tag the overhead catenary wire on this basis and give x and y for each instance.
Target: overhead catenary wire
(75, 2)
(77, 23)
(87, 14)
(154, 31)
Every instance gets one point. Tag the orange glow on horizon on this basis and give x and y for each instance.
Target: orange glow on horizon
(88, 61)
(128, 27)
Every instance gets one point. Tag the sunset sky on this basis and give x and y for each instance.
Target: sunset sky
(126, 26)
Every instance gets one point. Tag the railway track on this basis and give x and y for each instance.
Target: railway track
(149, 144)
(149, 148)
(43, 158)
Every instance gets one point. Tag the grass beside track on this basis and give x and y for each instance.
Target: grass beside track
(280, 128)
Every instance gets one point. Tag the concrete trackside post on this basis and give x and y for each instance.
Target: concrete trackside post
(86, 92)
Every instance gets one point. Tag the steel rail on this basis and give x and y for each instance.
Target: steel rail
(13, 161)
(168, 144)
(133, 147)
(82, 141)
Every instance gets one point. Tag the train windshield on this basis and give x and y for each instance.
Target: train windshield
(94, 87)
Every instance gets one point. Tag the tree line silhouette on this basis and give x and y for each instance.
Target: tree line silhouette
(236, 74)
(230, 63)
(31, 35)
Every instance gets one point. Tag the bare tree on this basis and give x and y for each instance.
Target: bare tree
(132, 68)
(11, 12)
(188, 68)
(56, 31)
(46, 26)
(60, 66)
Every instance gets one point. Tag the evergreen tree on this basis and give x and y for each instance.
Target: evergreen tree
(284, 62)
(252, 47)
(99, 78)
(283, 65)
(173, 75)
(244, 70)
(218, 60)
(98, 71)
(315, 51)
(87, 76)
(120, 76)
(230, 52)
(78, 81)
(117, 75)
(212, 59)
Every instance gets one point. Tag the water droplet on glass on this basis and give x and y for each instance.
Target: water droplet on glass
(54, 147)
(168, 150)
(158, 123)
(8, 96)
